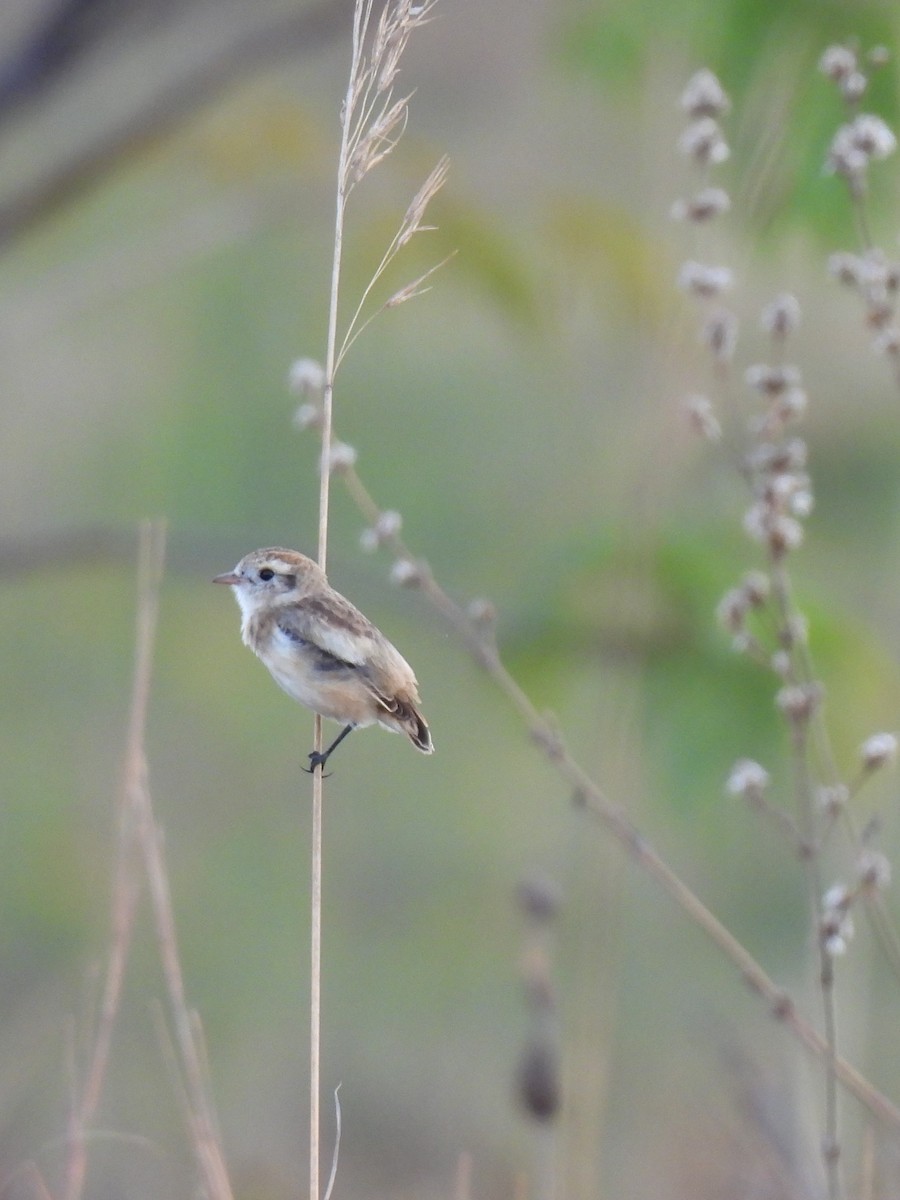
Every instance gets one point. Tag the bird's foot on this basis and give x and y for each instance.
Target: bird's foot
(317, 758)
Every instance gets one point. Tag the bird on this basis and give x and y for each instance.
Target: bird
(321, 650)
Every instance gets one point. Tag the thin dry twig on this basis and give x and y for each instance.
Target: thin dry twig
(207, 1147)
(140, 826)
(126, 881)
(590, 796)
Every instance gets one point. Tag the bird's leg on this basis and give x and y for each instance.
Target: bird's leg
(318, 758)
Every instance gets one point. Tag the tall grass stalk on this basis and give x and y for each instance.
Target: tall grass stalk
(372, 121)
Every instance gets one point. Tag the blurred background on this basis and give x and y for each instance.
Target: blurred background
(166, 206)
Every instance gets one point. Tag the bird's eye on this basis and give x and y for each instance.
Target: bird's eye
(267, 573)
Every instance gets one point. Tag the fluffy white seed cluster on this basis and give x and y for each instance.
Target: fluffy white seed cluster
(876, 280)
(387, 526)
(861, 141)
(832, 799)
(799, 701)
(866, 138)
(341, 457)
(748, 780)
(407, 573)
(704, 96)
(703, 144)
(704, 100)
(856, 145)
(780, 316)
(705, 281)
(841, 65)
(878, 750)
(738, 602)
(873, 871)
(306, 380)
(702, 206)
(836, 923)
(872, 875)
(776, 462)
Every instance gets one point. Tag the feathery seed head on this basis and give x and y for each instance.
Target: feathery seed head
(757, 587)
(704, 142)
(770, 380)
(835, 922)
(838, 898)
(306, 378)
(771, 528)
(853, 86)
(837, 62)
(832, 798)
(781, 316)
(873, 136)
(308, 416)
(341, 457)
(406, 573)
(704, 206)
(731, 611)
(836, 931)
(704, 96)
(799, 701)
(865, 139)
(873, 870)
(791, 406)
(415, 213)
(387, 526)
(747, 779)
(781, 664)
(878, 750)
(703, 280)
(796, 633)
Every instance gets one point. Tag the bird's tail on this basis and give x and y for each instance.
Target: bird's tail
(416, 728)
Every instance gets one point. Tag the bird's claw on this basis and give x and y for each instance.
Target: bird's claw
(316, 759)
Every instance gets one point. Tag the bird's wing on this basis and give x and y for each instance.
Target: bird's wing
(344, 638)
(332, 626)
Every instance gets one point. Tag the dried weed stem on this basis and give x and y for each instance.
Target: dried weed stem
(207, 1147)
(772, 462)
(126, 884)
(372, 121)
(479, 641)
(139, 838)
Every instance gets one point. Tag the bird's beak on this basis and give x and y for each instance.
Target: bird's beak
(229, 577)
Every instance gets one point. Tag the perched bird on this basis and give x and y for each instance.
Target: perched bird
(321, 649)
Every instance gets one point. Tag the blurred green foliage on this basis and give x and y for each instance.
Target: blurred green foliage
(767, 53)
